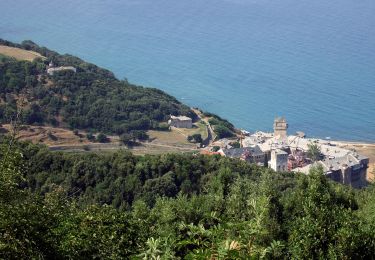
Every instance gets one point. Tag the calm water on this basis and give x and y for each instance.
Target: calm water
(312, 61)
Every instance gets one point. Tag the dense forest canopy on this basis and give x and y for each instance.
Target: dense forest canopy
(91, 99)
(120, 206)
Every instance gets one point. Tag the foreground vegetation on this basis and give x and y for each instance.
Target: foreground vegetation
(58, 206)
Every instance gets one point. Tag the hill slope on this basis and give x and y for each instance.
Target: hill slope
(91, 99)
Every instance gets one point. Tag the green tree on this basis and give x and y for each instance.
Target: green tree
(126, 139)
(140, 135)
(223, 131)
(90, 137)
(102, 138)
(322, 224)
(313, 152)
(196, 138)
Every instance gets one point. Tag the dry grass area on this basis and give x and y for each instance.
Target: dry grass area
(174, 137)
(60, 139)
(49, 135)
(19, 54)
(191, 131)
(178, 136)
(152, 148)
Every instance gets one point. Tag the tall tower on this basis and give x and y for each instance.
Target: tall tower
(280, 127)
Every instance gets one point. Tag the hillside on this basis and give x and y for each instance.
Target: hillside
(90, 98)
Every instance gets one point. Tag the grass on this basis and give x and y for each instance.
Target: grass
(198, 128)
(49, 135)
(175, 136)
(19, 54)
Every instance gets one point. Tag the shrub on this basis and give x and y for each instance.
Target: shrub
(223, 131)
(163, 127)
(102, 138)
(90, 137)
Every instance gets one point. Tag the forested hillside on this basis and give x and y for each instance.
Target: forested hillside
(91, 99)
(120, 206)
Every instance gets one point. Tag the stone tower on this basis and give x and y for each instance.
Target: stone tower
(279, 160)
(280, 127)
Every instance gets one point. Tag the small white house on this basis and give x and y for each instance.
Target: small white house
(51, 69)
(180, 122)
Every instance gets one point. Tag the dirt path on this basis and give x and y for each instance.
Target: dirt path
(143, 148)
(210, 132)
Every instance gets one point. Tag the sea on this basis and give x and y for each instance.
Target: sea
(249, 61)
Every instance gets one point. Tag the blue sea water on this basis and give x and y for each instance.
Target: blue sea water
(312, 61)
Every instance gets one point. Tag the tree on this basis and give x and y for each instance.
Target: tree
(223, 131)
(90, 137)
(126, 139)
(323, 225)
(140, 135)
(163, 126)
(102, 138)
(313, 152)
(196, 138)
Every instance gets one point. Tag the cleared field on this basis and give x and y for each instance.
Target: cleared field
(143, 149)
(19, 54)
(198, 128)
(49, 135)
(60, 139)
(173, 137)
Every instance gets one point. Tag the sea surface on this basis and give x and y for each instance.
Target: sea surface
(312, 61)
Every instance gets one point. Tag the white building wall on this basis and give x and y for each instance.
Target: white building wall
(279, 161)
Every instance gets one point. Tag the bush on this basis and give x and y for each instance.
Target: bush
(215, 148)
(223, 131)
(140, 135)
(236, 145)
(90, 137)
(163, 127)
(213, 121)
(102, 138)
(195, 138)
(126, 139)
